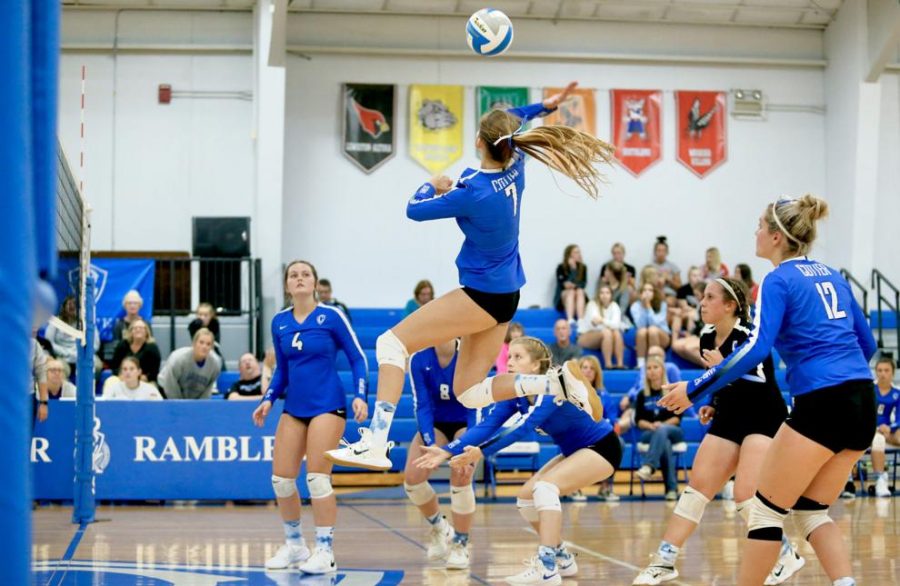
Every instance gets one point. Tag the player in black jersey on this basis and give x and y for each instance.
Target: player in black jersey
(745, 416)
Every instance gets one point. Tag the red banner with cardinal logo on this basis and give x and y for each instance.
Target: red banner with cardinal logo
(636, 124)
(702, 136)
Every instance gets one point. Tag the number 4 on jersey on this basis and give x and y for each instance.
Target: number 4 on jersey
(829, 299)
(297, 342)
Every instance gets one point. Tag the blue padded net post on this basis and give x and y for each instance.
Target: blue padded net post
(84, 498)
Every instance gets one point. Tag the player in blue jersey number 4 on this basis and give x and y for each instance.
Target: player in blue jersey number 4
(486, 204)
(807, 311)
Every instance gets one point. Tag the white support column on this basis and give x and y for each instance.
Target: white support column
(852, 136)
(269, 114)
(883, 21)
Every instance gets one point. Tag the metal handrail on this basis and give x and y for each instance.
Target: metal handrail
(862, 289)
(878, 279)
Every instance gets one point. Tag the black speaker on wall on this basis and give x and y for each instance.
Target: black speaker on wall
(220, 243)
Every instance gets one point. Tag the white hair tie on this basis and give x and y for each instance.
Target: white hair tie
(728, 288)
(780, 225)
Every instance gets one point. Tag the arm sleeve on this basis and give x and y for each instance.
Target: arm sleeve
(638, 315)
(38, 363)
(426, 204)
(120, 353)
(279, 375)
(862, 330)
(562, 275)
(613, 316)
(215, 371)
(766, 326)
(150, 360)
(422, 401)
(169, 379)
(485, 428)
(542, 408)
(346, 339)
(530, 111)
(659, 317)
(581, 277)
(895, 420)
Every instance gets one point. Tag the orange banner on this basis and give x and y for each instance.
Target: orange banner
(578, 111)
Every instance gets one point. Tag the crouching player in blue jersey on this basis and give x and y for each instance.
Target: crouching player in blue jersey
(440, 419)
(745, 416)
(591, 452)
(306, 337)
(807, 311)
(486, 204)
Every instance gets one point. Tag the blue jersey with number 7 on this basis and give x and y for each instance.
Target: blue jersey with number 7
(486, 205)
(807, 311)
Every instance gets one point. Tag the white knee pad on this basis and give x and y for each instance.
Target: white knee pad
(419, 494)
(462, 499)
(527, 510)
(546, 496)
(319, 485)
(879, 444)
(743, 509)
(284, 487)
(478, 395)
(809, 516)
(766, 520)
(691, 505)
(390, 350)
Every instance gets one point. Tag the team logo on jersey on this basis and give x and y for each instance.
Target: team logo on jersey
(702, 140)
(321, 319)
(435, 115)
(368, 137)
(636, 128)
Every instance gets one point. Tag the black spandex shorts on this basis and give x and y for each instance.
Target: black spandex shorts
(500, 306)
(449, 428)
(610, 448)
(841, 417)
(342, 413)
(741, 415)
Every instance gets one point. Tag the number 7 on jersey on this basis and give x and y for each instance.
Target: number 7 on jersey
(514, 194)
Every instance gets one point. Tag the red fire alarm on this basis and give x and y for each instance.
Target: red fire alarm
(165, 93)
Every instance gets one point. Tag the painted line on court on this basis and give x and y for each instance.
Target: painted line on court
(405, 537)
(67, 557)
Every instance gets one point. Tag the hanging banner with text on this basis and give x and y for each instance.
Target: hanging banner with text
(702, 136)
(499, 98)
(368, 137)
(435, 125)
(636, 123)
(579, 111)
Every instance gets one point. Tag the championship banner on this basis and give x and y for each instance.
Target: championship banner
(636, 124)
(113, 278)
(435, 125)
(578, 111)
(702, 137)
(368, 135)
(499, 98)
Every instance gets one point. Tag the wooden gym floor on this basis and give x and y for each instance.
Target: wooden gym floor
(379, 541)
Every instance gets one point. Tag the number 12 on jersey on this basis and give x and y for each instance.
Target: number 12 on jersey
(830, 300)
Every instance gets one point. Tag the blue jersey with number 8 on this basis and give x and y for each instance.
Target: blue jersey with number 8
(807, 311)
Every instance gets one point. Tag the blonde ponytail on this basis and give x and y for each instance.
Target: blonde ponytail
(796, 219)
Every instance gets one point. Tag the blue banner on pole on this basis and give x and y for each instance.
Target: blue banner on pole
(113, 278)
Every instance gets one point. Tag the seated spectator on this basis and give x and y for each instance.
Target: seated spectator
(602, 328)
(686, 323)
(206, 318)
(887, 397)
(268, 368)
(129, 386)
(618, 256)
(571, 279)
(132, 302)
(513, 331)
(191, 372)
(563, 350)
(659, 428)
(58, 384)
(249, 386)
(649, 317)
(626, 405)
(65, 347)
(40, 408)
(138, 342)
(713, 268)
(422, 294)
(743, 273)
(669, 271)
(620, 282)
(326, 297)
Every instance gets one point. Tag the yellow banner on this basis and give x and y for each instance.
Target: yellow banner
(435, 125)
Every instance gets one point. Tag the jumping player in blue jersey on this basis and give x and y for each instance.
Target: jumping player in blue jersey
(591, 452)
(806, 310)
(440, 420)
(307, 337)
(745, 416)
(886, 432)
(486, 204)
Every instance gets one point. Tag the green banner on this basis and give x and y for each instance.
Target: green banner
(489, 98)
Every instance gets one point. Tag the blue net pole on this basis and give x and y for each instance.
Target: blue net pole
(84, 498)
(18, 274)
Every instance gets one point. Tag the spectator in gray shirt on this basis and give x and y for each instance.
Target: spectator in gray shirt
(191, 372)
(563, 349)
(668, 271)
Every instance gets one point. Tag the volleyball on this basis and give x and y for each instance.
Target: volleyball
(489, 32)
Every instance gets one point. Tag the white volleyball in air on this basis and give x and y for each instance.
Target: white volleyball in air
(489, 32)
